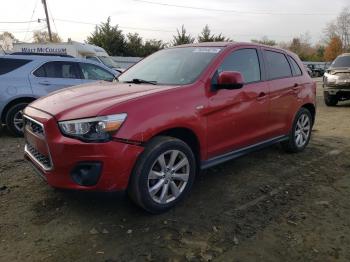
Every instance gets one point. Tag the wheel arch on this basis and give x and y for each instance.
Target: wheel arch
(312, 109)
(13, 102)
(188, 136)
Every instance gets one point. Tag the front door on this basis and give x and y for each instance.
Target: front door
(238, 118)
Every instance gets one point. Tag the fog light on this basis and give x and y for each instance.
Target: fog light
(86, 173)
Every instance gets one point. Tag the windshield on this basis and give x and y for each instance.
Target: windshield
(341, 61)
(175, 66)
(108, 61)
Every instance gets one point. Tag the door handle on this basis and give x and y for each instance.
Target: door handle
(295, 88)
(45, 83)
(261, 96)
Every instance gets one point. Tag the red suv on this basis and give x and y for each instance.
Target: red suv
(176, 112)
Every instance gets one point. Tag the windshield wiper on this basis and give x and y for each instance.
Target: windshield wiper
(141, 81)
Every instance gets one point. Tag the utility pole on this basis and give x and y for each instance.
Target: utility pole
(47, 20)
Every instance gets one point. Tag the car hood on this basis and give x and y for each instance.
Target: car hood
(90, 99)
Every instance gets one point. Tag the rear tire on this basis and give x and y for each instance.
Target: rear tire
(300, 133)
(163, 174)
(330, 100)
(14, 119)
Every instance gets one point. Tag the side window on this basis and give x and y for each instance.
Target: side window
(296, 69)
(57, 69)
(246, 62)
(277, 65)
(7, 65)
(94, 72)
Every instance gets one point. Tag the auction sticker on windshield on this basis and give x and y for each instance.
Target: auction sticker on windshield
(207, 50)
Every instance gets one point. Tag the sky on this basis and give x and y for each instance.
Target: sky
(240, 20)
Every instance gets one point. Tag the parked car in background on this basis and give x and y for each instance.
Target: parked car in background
(336, 80)
(317, 70)
(24, 78)
(177, 111)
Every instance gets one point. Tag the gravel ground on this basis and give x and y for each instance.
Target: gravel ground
(266, 206)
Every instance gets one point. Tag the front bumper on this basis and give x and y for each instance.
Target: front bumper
(56, 156)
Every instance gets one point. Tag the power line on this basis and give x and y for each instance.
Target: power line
(18, 22)
(29, 24)
(229, 10)
(54, 23)
(123, 27)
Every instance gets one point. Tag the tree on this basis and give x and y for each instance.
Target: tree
(182, 37)
(206, 36)
(334, 48)
(6, 41)
(43, 37)
(302, 47)
(339, 27)
(134, 45)
(109, 38)
(264, 41)
(343, 25)
(152, 46)
(221, 38)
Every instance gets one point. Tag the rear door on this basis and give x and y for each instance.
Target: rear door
(238, 118)
(282, 86)
(54, 75)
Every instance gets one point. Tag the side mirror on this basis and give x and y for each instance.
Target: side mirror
(229, 80)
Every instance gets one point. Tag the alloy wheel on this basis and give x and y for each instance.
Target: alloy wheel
(302, 130)
(168, 176)
(18, 121)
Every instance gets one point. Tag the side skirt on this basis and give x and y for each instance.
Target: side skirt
(240, 152)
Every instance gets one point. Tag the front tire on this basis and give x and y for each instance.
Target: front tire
(300, 134)
(163, 174)
(330, 100)
(14, 119)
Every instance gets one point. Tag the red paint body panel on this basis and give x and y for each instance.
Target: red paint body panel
(222, 121)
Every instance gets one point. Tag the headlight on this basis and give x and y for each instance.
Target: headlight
(95, 129)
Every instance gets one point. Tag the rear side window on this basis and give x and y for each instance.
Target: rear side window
(7, 65)
(277, 64)
(58, 69)
(295, 67)
(246, 62)
(95, 72)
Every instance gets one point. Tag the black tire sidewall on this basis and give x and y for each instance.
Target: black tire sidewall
(330, 100)
(143, 166)
(10, 116)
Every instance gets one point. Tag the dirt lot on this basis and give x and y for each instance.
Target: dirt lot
(267, 206)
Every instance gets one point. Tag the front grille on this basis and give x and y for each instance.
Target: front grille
(34, 127)
(44, 161)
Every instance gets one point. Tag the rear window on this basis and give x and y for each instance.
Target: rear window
(277, 65)
(295, 67)
(341, 61)
(8, 65)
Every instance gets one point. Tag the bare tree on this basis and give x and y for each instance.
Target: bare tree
(340, 27)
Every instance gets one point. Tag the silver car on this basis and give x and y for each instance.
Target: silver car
(336, 80)
(24, 78)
